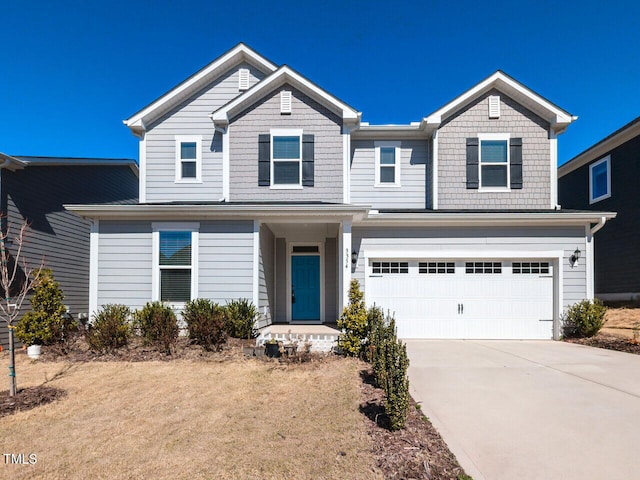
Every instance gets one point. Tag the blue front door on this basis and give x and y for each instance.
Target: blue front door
(305, 287)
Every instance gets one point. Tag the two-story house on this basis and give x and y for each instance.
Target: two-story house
(257, 183)
(603, 177)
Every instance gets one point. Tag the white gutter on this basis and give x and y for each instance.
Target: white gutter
(599, 225)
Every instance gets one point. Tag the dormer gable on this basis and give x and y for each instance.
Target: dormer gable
(558, 118)
(241, 53)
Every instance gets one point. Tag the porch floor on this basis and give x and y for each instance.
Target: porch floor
(321, 338)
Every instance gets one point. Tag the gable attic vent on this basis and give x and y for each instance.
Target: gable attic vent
(285, 101)
(243, 79)
(494, 106)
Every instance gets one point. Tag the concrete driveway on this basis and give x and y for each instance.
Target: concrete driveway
(539, 410)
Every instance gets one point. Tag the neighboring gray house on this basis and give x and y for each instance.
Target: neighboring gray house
(605, 176)
(35, 188)
(257, 183)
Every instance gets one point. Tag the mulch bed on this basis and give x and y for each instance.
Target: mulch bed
(416, 452)
(610, 342)
(28, 398)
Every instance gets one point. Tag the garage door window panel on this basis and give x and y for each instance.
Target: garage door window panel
(390, 267)
(437, 267)
(483, 267)
(531, 268)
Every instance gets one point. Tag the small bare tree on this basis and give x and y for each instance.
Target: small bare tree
(17, 279)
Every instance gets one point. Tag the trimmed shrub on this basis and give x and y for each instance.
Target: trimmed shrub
(583, 319)
(110, 329)
(242, 315)
(353, 323)
(47, 323)
(381, 332)
(396, 383)
(207, 323)
(158, 326)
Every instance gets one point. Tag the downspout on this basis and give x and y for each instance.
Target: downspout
(590, 232)
(598, 225)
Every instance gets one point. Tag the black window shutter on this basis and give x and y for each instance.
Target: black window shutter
(515, 151)
(472, 163)
(307, 160)
(264, 160)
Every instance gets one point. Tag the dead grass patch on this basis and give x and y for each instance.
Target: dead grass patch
(621, 321)
(192, 419)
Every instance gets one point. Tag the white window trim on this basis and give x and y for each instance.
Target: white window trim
(285, 132)
(198, 141)
(156, 228)
(494, 136)
(606, 160)
(398, 151)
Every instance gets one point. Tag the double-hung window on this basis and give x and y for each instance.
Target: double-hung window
(175, 252)
(494, 161)
(600, 180)
(188, 159)
(387, 158)
(286, 158)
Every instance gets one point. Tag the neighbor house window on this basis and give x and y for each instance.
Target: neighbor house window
(600, 180)
(286, 158)
(175, 249)
(494, 161)
(188, 159)
(387, 158)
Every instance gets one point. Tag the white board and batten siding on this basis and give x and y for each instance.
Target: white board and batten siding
(464, 305)
(191, 118)
(125, 261)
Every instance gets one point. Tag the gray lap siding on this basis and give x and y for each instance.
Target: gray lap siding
(125, 261)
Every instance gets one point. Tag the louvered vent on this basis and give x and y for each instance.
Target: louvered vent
(285, 101)
(494, 106)
(243, 79)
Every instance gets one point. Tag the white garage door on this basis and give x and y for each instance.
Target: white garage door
(501, 299)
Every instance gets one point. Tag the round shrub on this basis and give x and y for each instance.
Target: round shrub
(242, 315)
(158, 326)
(111, 328)
(207, 323)
(583, 319)
(354, 323)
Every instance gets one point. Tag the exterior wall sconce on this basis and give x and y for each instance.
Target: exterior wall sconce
(354, 257)
(575, 256)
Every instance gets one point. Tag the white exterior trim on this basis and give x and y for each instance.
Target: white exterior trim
(225, 165)
(179, 140)
(553, 168)
(344, 257)
(234, 56)
(590, 263)
(142, 157)
(156, 228)
(607, 161)
(397, 168)
(94, 241)
(434, 174)
(346, 164)
(290, 253)
(256, 263)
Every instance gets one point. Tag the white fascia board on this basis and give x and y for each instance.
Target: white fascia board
(284, 75)
(599, 150)
(485, 219)
(310, 214)
(235, 55)
(556, 116)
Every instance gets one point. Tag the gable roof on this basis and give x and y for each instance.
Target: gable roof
(239, 53)
(11, 163)
(604, 146)
(285, 74)
(557, 117)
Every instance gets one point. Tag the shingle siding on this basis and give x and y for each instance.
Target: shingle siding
(473, 120)
(413, 192)
(191, 117)
(617, 264)
(308, 115)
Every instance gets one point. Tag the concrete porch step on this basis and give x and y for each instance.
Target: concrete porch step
(320, 338)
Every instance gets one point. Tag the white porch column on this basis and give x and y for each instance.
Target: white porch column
(344, 272)
(256, 263)
(94, 238)
(589, 264)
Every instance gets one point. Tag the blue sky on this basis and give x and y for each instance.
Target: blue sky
(71, 71)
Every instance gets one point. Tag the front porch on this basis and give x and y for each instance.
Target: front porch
(320, 338)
